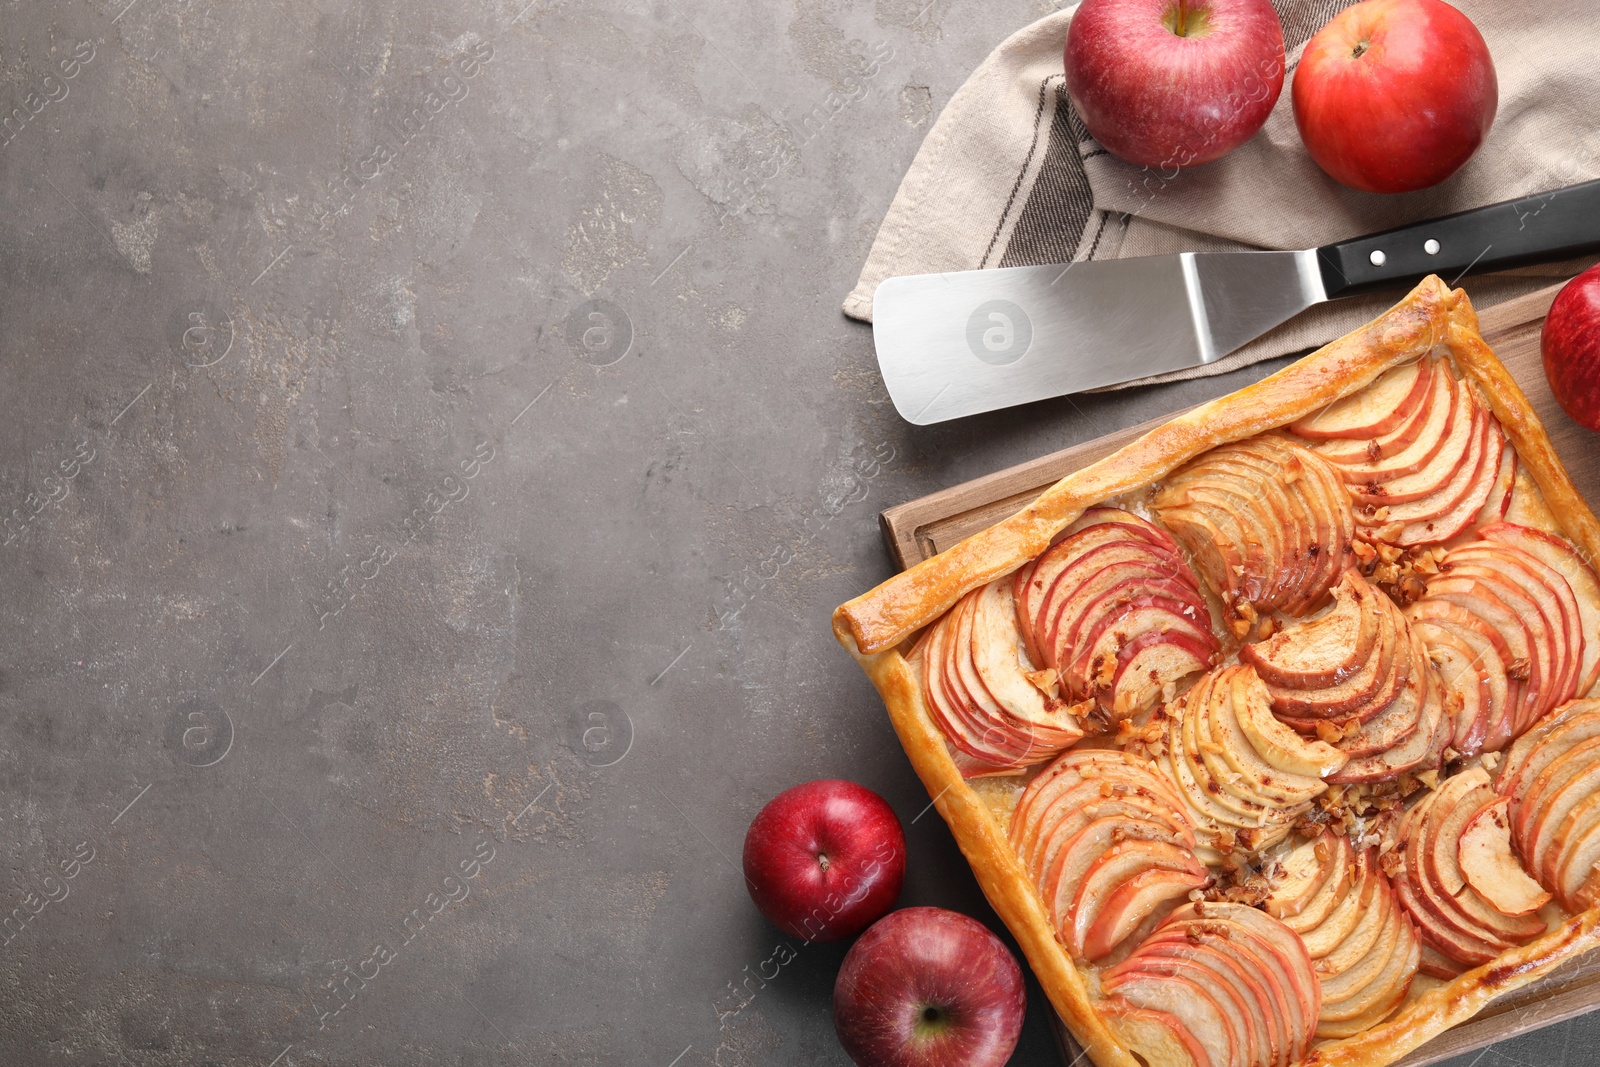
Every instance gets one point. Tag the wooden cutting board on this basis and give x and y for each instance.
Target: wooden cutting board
(921, 528)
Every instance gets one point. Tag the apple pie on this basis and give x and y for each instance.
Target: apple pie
(1274, 737)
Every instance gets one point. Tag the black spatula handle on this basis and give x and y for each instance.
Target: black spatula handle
(1559, 224)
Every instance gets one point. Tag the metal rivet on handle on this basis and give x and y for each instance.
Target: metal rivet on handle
(1378, 258)
(1431, 247)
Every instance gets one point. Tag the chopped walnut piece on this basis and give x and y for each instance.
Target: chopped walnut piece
(1410, 589)
(1046, 681)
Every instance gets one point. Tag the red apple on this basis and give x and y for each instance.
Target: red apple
(825, 859)
(1174, 83)
(926, 987)
(1395, 95)
(1571, 347)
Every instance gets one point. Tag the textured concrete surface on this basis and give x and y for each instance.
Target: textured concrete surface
(432, 449)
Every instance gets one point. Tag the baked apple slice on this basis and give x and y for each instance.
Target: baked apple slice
(1375, 410)
(1128, 906)
(1449, 414)
(1093, 784)
(1490, 654)
(1499, 502)
(1306, 882)
(1005, 671)
(1421, 411)
(1234, 979)
(1326, 650)
(1466, 688)
(1460, 447)
(1126, 860)
(1369, 991)
(1489, 865)
(1203, 1023)
(1556, 808)
(1094, 527)
(1525, 581)
(1530, 605)
(1455, 504)
(1526, 763)
(1360, 679)
(1158, 1038)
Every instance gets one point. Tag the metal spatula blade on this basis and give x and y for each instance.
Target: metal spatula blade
(971, 341)
(958, 344)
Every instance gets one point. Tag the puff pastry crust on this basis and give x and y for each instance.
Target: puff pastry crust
(878, 629)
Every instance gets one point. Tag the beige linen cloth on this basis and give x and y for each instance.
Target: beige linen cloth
(1008, 176)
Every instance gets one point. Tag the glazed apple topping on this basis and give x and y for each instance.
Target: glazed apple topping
(1384, 766)
(1358, 678)
(1226, 979)
(1115, 610)
(1267, 522)
(982, 688)
(1463, 925)
(1108, 845)
(1244, 778)
(1363, 946)
(1505, 618)
(1419, 452)
(1551, 779)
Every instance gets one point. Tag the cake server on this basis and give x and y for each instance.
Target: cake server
(971, 341)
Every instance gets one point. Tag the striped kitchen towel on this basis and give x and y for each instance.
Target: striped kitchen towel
(1008, 176)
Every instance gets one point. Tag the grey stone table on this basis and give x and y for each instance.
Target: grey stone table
(431, 452)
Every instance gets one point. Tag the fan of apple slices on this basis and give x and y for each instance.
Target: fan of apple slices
(1460, 880)
(1420, 453)
(1109, 847)
(1214, 985)
(1267, 522)
(1115, 612)
(1245, 779)
(1363, 946)
(1357, 677)
(985, 692)
(1506, 620)
(1550, 785)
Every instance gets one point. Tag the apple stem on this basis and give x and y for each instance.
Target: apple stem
(1184, 21)
(822, 858)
